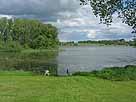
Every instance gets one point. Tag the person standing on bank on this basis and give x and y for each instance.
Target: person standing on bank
(68, 72)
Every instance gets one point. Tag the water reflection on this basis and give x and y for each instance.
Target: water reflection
(87, 58)
(36, 62)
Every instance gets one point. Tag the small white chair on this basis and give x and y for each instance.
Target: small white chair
(47, 73)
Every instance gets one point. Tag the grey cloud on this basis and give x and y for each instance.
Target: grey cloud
(37, 8)
(75, 22)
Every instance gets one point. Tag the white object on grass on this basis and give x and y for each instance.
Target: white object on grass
(47, 73)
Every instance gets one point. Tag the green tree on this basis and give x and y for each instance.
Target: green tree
(27, 33)
(126, 10)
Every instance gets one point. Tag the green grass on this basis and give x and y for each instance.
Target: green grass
(15, 73)
(30, 88)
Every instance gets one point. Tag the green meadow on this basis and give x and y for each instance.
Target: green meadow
(22, 86)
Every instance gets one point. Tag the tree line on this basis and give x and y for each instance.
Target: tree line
(100, 42)
(24, 33)
(110, 42)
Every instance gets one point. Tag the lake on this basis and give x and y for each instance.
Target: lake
(87, 58)
(71, 59)
(36, 61)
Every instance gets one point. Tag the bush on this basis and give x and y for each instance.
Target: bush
(13, 46)
(114, 73)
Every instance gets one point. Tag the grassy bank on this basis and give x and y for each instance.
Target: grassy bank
(114, 73)
(31, 88)
(16, 73)
(20, 86)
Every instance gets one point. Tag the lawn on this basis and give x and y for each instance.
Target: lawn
(29, 88)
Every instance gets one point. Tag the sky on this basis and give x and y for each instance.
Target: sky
(74, 21)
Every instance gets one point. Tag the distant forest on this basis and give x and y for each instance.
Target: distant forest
(100, 42)
(24, 33)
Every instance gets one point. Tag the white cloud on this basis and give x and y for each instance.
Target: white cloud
(83, 21)
(7, 16)
(91, 34)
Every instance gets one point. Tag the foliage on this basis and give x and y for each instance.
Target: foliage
(134, 40)
(33, 60)
(27, 34)
(72, 43)
(115, 73)
(99, 42)
(16, 73)
(105, 9)
(106, 42)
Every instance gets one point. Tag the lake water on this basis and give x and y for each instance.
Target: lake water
(71, 59)
(35, 61)
(76, 59)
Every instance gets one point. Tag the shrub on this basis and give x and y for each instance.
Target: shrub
(114, 73)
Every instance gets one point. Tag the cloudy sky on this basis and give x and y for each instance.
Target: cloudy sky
(75, 22)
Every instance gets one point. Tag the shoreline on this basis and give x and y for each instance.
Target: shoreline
(104, 73)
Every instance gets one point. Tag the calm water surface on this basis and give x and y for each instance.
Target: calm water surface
(73, 59)
(94, 58)
(35, 61)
